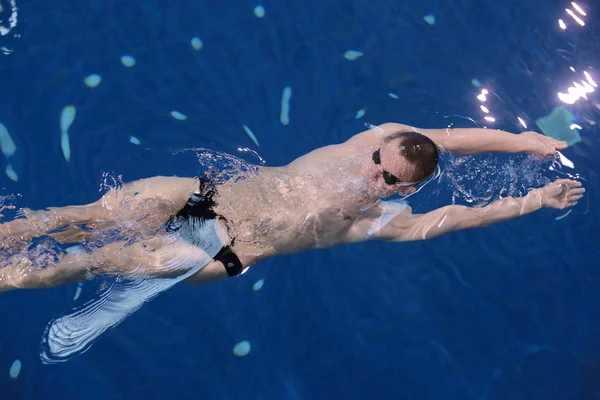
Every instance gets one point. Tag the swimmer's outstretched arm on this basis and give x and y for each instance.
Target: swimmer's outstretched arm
(559, 194)
(470, 140)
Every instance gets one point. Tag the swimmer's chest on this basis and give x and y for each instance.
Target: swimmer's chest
(316, 229)
(291, 213)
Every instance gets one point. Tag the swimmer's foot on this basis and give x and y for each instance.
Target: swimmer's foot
(562, 193)
(22, 228)
(30, 224)
(11, 275)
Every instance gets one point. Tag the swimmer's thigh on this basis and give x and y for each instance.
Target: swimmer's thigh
(165, 256)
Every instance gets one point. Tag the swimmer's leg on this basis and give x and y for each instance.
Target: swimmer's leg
(160, 257)
(37, 223)
(24, 274)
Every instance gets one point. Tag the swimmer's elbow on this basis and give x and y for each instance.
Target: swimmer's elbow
(438, 222)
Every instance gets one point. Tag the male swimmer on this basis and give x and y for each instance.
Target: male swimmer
(325, 198)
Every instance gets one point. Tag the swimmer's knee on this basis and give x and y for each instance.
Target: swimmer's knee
(211, 271)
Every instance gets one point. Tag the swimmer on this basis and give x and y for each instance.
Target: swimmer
(328, 197)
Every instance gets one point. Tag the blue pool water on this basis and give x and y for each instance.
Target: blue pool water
(505, 312)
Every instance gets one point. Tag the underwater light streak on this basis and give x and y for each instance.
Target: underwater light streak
(482, 97)
(522, 122)
(575, 17)
(589, 78)
(579, 10)
(562, 24)
(578, 90)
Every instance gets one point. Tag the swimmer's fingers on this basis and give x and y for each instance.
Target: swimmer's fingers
(551, 146)
(575, 193)
(557, 144)
(568, 186)
(562, 193)
(561, 145)
(541, 144)
(569, 182)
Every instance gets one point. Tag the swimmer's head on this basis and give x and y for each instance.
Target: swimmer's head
(404, 160)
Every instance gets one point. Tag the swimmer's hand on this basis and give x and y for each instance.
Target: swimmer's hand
(541, 145)
(561, 193)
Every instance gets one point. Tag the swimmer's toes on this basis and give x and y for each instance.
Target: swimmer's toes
(26, 213)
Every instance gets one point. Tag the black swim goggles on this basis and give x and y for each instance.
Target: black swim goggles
(387, 177)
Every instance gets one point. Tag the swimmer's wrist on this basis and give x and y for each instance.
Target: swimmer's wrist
(515, 142)
(537, 198)
(524, 144)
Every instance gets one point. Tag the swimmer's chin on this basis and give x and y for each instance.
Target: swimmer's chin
(383, 190)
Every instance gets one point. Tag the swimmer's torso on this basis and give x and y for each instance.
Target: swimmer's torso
(280, 211)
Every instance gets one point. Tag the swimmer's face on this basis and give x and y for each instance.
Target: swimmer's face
(391, 170)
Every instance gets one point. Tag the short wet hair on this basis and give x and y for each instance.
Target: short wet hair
(420, 151)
